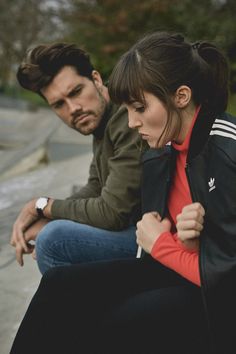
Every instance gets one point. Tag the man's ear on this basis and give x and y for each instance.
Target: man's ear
(182, 96)
(97, 79)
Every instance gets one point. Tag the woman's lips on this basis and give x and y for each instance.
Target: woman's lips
(144, 136)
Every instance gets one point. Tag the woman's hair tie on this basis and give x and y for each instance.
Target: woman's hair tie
(195, 45)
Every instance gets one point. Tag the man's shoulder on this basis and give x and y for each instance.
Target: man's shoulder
(118, 128)
(119, 114)
(118, 121)
(118, 131)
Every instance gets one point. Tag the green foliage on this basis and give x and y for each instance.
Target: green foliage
(213, 21)
(32, 98)
(23, 23)
(107, 28)
(232, 105)
(19, 93)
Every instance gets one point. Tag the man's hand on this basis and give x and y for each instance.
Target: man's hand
(190, 224)
(27, 217)
(26, 221)
(150, 228)
(29, 235)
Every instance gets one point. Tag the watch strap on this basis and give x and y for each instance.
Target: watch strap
(40, 210)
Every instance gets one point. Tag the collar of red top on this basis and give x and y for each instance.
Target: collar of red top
(185, 144)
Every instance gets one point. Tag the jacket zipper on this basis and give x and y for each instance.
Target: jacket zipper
(194, 199)
(166, 194)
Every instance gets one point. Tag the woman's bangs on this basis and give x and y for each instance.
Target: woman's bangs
(125, 81)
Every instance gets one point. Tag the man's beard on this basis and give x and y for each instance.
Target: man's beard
(96, 116)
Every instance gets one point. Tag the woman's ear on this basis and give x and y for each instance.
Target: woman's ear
(182, 96)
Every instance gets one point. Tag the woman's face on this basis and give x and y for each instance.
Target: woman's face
(150, 120)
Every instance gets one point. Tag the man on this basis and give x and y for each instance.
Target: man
(97, 222)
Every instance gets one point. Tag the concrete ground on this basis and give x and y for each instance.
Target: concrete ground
(17, 285)
(17, 288)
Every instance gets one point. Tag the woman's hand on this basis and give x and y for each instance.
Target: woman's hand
(149, 229)
(190, 224)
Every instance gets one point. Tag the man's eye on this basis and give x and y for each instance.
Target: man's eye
(57, 105)
(76, 91)
(140, 109)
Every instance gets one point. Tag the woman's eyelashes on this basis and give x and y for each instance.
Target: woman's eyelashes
(140, 109)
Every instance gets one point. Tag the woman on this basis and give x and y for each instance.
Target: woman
(179, 297)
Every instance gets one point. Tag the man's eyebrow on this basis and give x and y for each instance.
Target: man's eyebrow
(75, 88)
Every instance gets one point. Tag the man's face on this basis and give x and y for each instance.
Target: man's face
(78, 101)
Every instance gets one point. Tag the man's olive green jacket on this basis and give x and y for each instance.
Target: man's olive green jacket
(111, 197)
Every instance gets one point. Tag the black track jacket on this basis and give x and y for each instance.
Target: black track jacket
(211, 173)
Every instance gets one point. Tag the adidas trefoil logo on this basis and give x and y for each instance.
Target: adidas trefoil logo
(211, 184)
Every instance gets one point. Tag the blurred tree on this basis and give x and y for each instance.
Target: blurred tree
(210, 20)
(107, 28)
(23, 23)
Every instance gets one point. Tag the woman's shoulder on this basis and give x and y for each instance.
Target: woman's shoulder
(223, 134)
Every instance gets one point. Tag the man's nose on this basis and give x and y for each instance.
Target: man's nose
(73, 106)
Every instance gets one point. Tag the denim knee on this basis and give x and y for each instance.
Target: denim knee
(65, 242)
(49, 234)
(44, 244)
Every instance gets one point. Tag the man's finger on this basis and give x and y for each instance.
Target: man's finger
(13, 243)
(18, 237)
(19, 255)
(34, 255)
(21, 241)
(13, 238)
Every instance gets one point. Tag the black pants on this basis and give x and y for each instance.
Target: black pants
(114, 307)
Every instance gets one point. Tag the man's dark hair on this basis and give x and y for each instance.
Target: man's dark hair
(44, 62)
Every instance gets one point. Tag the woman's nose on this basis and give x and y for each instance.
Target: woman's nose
(134, 122)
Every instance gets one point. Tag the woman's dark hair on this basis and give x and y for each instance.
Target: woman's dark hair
(161, 62)
(44, 62)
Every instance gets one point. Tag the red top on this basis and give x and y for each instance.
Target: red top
(167, 249)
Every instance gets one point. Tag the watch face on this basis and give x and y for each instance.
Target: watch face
(41, 202)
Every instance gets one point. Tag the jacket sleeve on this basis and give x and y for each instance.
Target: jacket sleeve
(120, 195)
(93, 186)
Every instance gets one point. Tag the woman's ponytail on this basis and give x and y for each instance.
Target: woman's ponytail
(219, 75)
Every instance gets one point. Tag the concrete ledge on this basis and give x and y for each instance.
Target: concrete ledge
(23, 137)
(19, 284)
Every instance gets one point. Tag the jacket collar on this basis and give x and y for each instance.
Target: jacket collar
(200, 132)
(109, 111)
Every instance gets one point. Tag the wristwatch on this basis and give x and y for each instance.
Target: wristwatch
(40, 204)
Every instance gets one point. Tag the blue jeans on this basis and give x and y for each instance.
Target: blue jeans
(65, 242)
